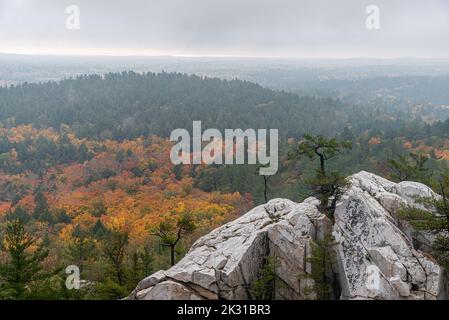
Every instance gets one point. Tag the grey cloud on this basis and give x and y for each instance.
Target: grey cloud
(238, 27)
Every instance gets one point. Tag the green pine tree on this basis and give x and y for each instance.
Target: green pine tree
(23, 267)
(170, 232)
(264, 288)
(322, 259)
(433, 218)
(114, 249)
(327, 186)
(80, 248)
(410, 168)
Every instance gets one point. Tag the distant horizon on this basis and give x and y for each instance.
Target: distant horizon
(117, 54)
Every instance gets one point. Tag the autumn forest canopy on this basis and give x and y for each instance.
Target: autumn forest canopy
(85, 168)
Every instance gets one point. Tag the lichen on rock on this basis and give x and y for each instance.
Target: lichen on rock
(375, 258)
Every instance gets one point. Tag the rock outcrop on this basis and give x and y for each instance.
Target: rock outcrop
(226, 263)
(375, 258)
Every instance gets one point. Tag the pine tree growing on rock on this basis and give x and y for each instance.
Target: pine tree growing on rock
(171, 231)
(434, 219)
(265, 287)
(322, 259)
(327, 186)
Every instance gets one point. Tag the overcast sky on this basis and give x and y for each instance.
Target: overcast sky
(270, 28)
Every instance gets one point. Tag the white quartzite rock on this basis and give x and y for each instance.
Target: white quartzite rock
(369, 239)
(375, 258)
(226, 262)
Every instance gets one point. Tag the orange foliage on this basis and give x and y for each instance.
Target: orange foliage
(374, 141)
(128, 186)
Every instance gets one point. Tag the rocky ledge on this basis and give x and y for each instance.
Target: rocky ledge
(377, 260)
(375, 254)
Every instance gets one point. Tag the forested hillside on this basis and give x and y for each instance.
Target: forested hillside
(129, 105)
(85, 167)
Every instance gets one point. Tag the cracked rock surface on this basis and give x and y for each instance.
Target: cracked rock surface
(225, 263)
(375, 258)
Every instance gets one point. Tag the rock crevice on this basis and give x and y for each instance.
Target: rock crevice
(227, 262)
(375, 254)
(377, 259)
